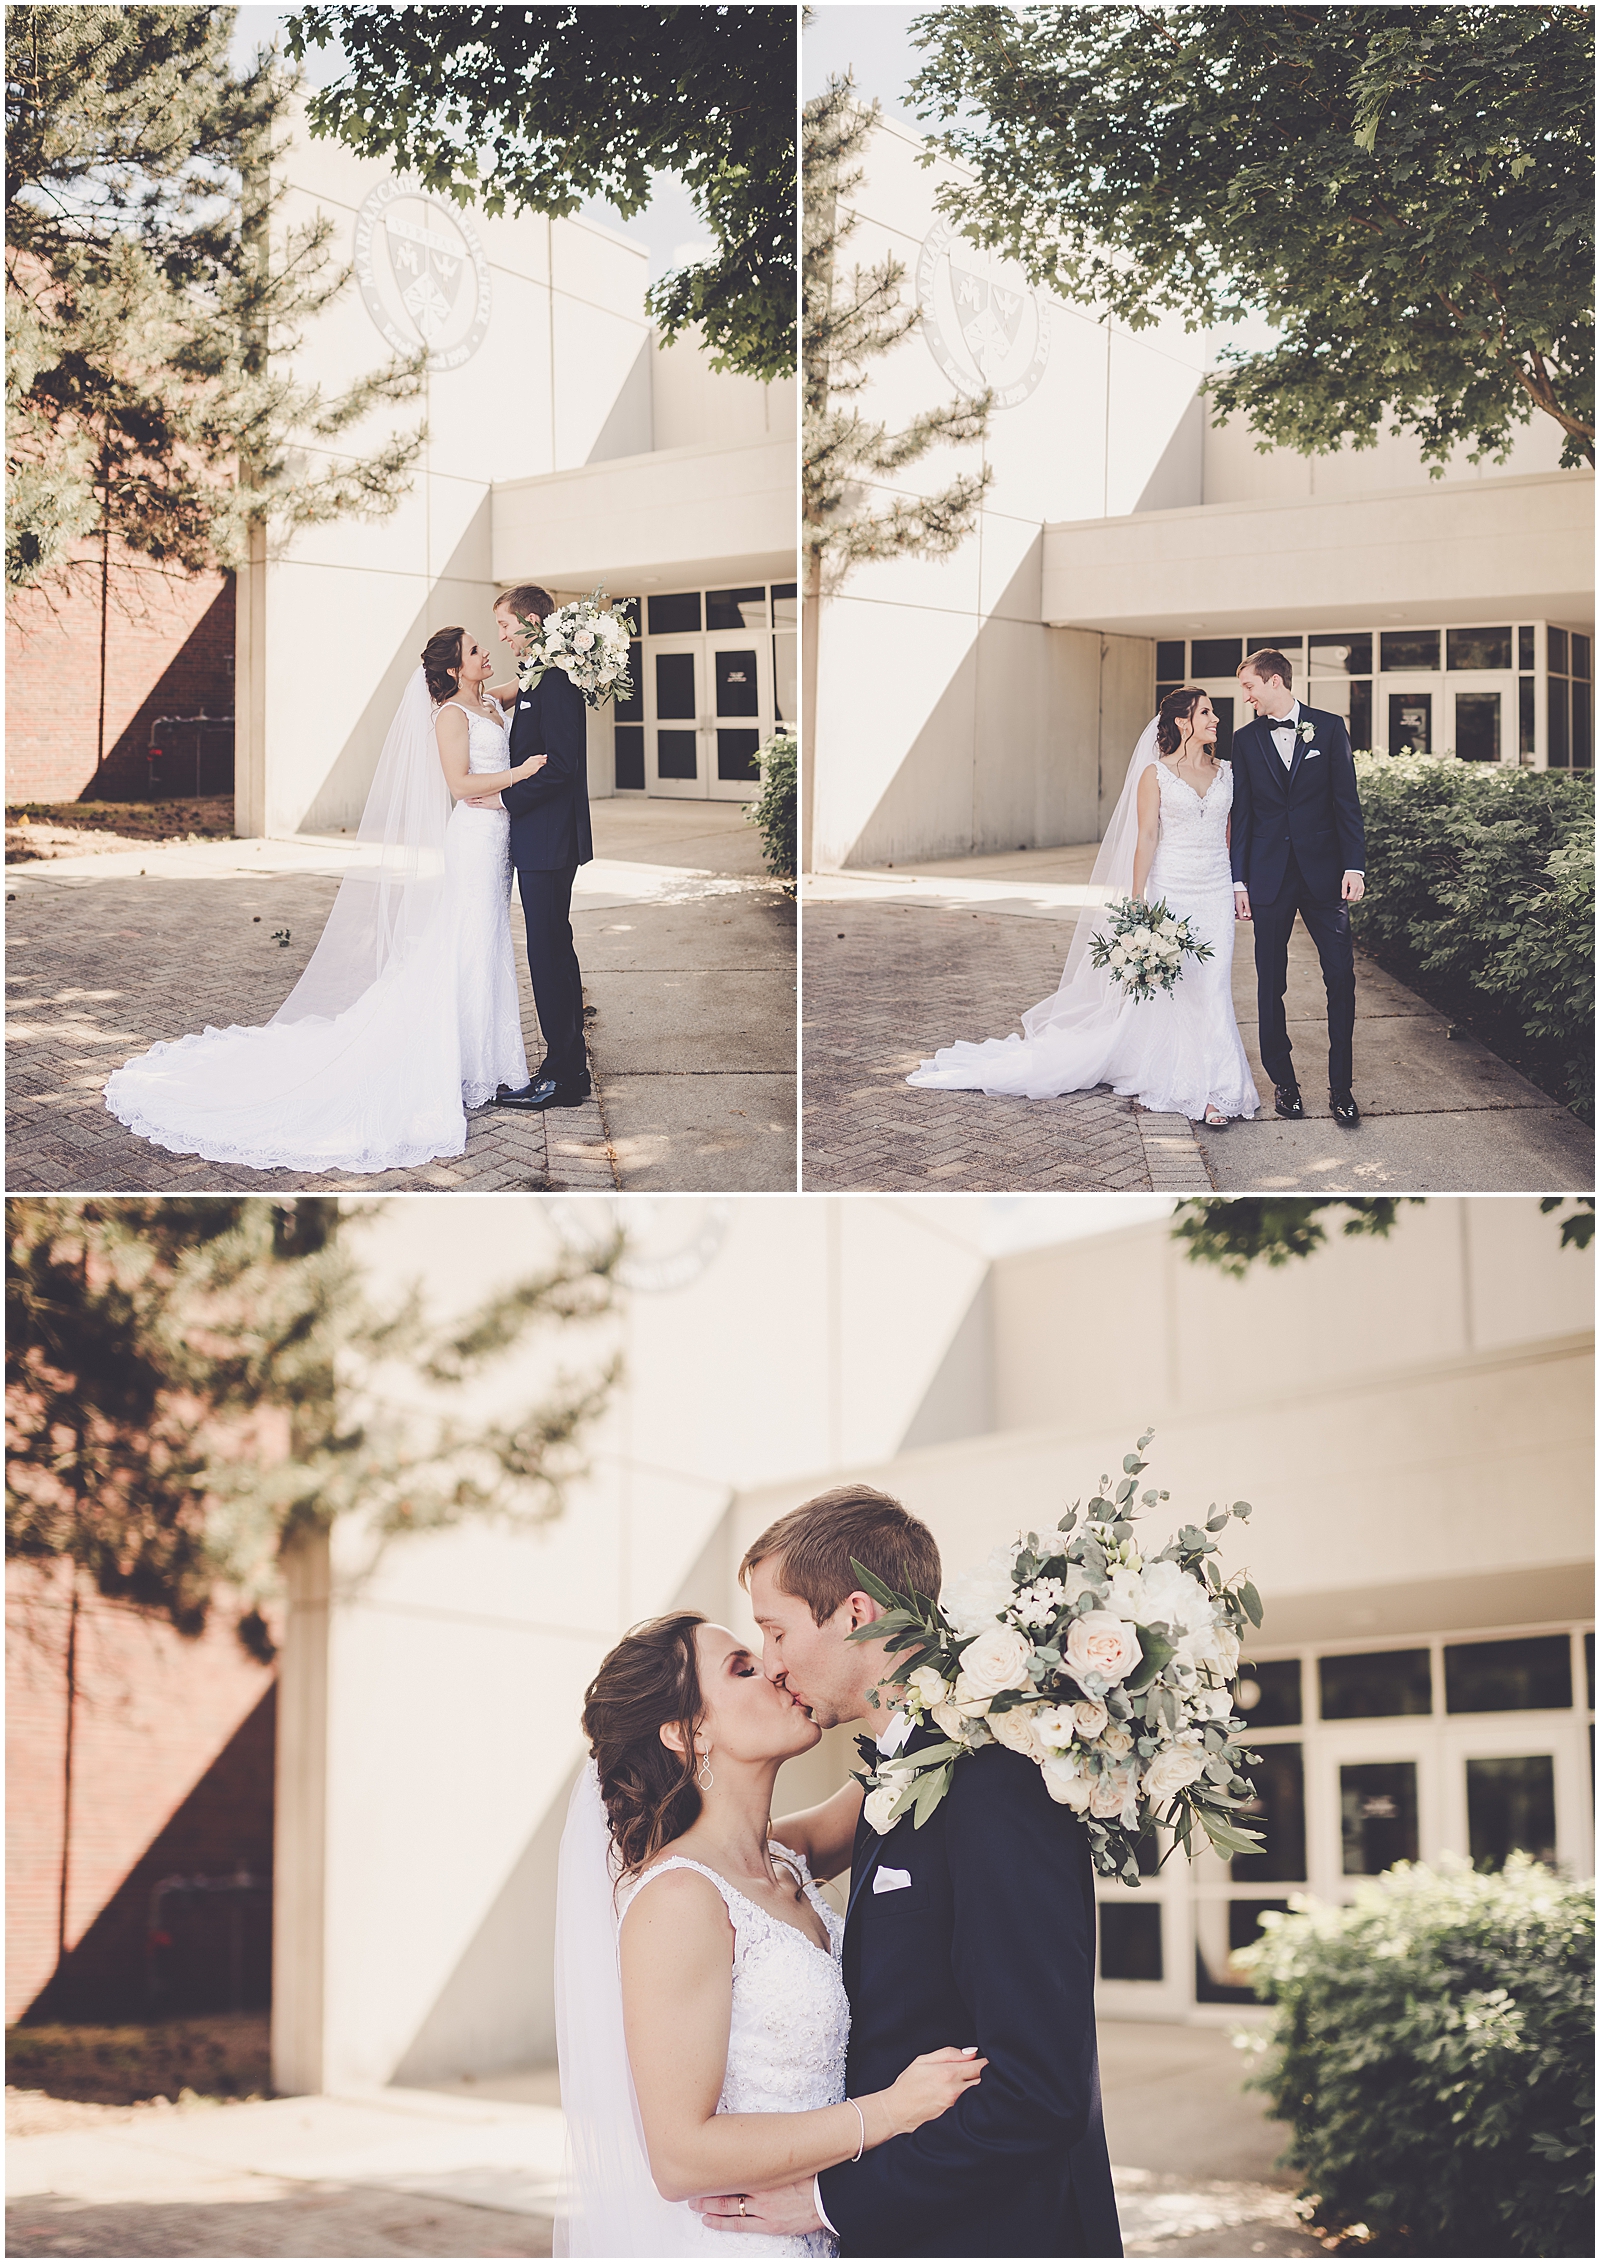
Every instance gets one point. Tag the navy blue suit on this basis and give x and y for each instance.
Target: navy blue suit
(1296, 833)
(992, 1943)
(550, 838)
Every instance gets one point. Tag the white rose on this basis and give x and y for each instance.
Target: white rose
(954, 1723)
(878, 1804)
(1211, 1648)
(1065, 1785)
(1172, 1597)
(1089, 1718)
(584, 640)
(967, 1700)
(1212, 1704)
(1112, 1794)
(930, 1686)
(1170, 1771)
(1101, 1643)
(997, 1660)
(1125, 1593)
(1117, 1739)
(1119, 956)
(1016, 1731)
(977, 1598)
(1053, 1725)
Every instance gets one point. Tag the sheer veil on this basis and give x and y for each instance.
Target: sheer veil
(388, 899)
(613, 2205)
(1086, 992)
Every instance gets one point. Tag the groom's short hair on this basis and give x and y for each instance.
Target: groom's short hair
(815, 1544)
(1268, 663)
(527, 601)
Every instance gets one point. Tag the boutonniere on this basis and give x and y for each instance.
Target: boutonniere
(1306, 732)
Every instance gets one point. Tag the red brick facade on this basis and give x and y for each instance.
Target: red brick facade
(172, 1775)
(169, 651)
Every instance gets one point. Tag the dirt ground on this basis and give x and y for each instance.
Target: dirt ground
(38, 830)
(50, 2070)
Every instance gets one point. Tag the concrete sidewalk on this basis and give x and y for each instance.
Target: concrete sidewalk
(475, 2168)
(902, 960)
(109, 952)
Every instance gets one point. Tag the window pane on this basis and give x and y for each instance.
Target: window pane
(1477, 648)
(1556, 657)
(632, 710)
(674, 686)
(736, 608)
(1130, 1941)
(1582, 725)
(1361, 715)
(785, 677)
(1580, 655)
(1278, 1812)
(1224, 713)
(1269, 1694)
(1375, 1684)
(1560, 749)
(1169, 658)
(1478, 726)
(1508, 1677)
(1287, 645)
(1215, 655)
(1378, 1816)
(629, 759)
(1525, 727)
(1341, 655)
(675, 754)
(671, 616)
(1511, 1804)
(1410, 648)
(786, 606)
(1217, 1933)
(1410, 722)
(1525, 657)
(736, 755)
(1588, 1667)
(1163, 689)
(735, 674)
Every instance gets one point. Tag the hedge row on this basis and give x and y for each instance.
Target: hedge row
(1433, 2053)
(1480, 893)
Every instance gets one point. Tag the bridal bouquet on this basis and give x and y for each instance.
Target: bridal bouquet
(1109, 1667)
(1144, 946)
(586, 643)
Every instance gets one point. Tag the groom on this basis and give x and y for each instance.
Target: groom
(977, 1929)
(1298, 846)
(550, 838)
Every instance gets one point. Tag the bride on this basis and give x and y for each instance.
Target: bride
(1178, 1053)
(701, 2016)
(407, 1012)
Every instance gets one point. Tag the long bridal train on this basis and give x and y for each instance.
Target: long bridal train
(1177, 1053)
(407, 1014)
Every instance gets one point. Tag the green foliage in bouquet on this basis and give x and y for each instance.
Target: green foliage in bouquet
(1433, 2052)
(1143, 946)
(1108, 1668)
(773, 813)
(1480, 891)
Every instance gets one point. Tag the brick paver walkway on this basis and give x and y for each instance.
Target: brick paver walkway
(884, 987)
(98, 969)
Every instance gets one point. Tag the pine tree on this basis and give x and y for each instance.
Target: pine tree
(849, 324)
(193, 1385)
(152, 309)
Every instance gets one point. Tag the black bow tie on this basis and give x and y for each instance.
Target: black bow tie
(1282, 723)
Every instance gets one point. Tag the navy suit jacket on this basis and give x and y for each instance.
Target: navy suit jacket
(1309, 814)
(550, 811)
(992, 1943)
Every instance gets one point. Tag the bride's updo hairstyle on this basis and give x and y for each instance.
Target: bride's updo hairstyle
(652, 1677)
(440, 654)
(1176, 705)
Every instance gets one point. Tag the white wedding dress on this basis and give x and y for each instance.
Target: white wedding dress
(1177, 1052)
(788, 2036)
(384, 1083)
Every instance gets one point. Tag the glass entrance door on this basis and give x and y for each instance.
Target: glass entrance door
(1410, 720)
(708, 709)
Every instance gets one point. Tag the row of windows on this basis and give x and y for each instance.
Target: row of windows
(683, 612)
(1525, 1673)
(1413, 650)
(732, 693)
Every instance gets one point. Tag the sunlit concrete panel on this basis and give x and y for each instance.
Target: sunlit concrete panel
(680, 511)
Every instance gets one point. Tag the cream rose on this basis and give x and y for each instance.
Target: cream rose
(1101, 1643)
(1089, 1718)
(1065, 1786)
(1117, 1739)
(1054, 1725)
(976, 1599)
(1017, 1730)
(879, 1803)
(953, 1722)
(930, 1685)
(997, 1660)
(966, 1700)
(1171, 1770)
(1111, 1794)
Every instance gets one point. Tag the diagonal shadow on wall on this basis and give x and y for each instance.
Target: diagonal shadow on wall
(497, 2009)
(198, 675)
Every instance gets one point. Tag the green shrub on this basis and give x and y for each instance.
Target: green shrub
(1433, 2051)
(1480, 892)
(774, 813)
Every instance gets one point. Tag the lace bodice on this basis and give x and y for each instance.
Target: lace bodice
(488, 743)
(791, 2017)
(1192, 849)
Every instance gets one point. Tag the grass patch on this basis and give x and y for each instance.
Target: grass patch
(227, 2056)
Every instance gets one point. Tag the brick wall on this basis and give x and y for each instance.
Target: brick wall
(172, 1775)
(169, 651)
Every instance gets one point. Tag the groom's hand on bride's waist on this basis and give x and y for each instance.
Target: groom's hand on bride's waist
(788, 2210)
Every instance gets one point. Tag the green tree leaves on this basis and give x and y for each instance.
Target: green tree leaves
(1404, 192)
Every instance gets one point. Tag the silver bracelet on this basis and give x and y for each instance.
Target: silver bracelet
(862, 2119)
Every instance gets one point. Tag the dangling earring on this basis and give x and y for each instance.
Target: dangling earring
(703, 1775)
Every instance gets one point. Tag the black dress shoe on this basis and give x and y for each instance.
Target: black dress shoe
(1286, 1099)
(1344, 1109)
(538, 1092)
